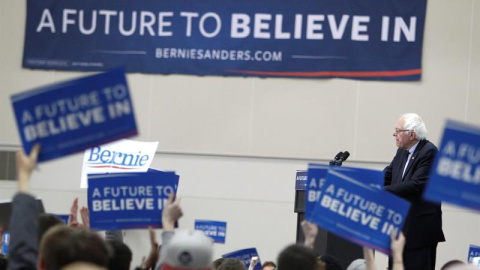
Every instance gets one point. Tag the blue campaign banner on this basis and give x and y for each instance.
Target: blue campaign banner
(245, 255)
(473, 251)
(129, 200)
(75, 115)
(301, 180)
(368, 40)
(217, 230)
(358, 212)
(455, 175)
(316, 178)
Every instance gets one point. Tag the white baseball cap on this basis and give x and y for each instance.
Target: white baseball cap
(358, 264)
(188, 250)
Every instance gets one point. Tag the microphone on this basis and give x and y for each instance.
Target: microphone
(336, 158)
(344, 156)
(340, 158)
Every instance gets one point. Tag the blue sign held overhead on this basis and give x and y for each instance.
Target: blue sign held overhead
(370, 40)
(316, 179)
(473, 251)
(129, 200)
(455, 176)
(217, 230)
(72, 116)
(362, 214)
(245, 255)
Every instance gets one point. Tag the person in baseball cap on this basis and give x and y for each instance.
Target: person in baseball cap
(358, 264)
(188, 249)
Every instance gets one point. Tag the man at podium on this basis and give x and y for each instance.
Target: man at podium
(406, 177)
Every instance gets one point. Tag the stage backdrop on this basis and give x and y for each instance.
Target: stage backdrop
(370, 39)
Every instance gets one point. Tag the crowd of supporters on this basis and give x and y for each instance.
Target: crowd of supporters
(45, 242)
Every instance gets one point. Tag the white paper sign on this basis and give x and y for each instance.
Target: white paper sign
(120, 156)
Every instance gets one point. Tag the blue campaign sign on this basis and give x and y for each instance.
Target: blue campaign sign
(129, 200)
(369, 40)
(358, 212)
(301, 180)
(245, 255)
(316, 179)
(75, 115)
(473, 251)
(372, 178)
(455, 175)
(217, 230)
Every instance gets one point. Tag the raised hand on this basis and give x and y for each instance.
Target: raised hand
(72, 218)
(154, 251)
(397, 246)
(310, 231)
(85, 218)
(253, 262)
(25, 166)
(171, 212)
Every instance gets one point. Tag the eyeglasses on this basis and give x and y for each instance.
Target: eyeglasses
(401, 130)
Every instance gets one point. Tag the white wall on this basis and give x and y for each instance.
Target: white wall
(236, 142)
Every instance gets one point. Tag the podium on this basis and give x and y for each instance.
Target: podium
(326, 242)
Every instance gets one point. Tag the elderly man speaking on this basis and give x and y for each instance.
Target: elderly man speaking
(406, 177)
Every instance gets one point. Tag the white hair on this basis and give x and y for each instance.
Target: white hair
(413, 122)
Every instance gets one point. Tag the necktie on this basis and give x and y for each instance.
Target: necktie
(404, 162)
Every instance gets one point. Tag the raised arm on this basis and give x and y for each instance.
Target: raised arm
(310, 231)
(397, 246)
(369, 259)
(151, 260)
(170, 214)
(23, 250)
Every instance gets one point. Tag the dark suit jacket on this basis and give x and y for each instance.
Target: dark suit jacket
(423, 225)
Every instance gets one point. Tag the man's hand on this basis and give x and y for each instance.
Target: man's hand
(310, 231)
(25, 166)
(85, 218)
(171, 213)
(253, 262)
(73, 217)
